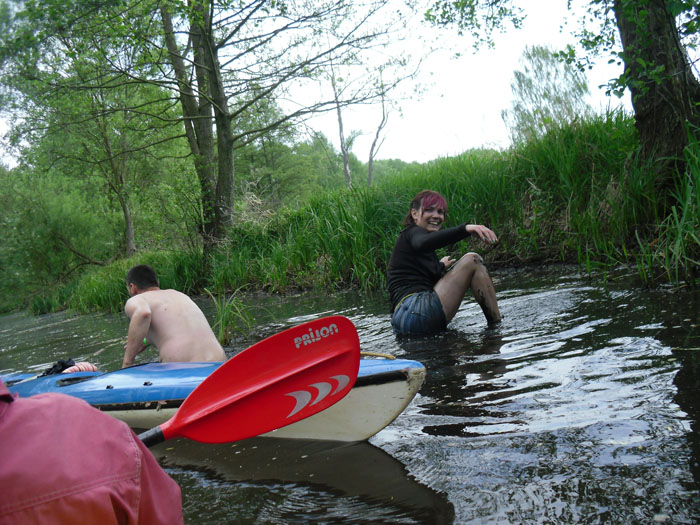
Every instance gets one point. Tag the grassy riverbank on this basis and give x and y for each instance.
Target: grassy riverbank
(577, 195)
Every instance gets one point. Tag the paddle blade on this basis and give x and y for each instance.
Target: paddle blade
(278, 381)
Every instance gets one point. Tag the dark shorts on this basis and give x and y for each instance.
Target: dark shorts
(419, 314)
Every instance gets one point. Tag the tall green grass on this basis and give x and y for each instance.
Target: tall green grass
(673, 252)
(579, 194)
(339, 239)
(231, 316)
(104, 288)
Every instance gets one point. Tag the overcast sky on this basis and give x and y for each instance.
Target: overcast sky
(462, 108)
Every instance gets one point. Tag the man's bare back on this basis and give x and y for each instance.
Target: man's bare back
(173, 323)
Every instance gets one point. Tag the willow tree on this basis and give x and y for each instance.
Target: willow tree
(651, 38)
(547, 93)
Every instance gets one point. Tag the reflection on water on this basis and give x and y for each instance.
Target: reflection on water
(582, 406)
(344, 479)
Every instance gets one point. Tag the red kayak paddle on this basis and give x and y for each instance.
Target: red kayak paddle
(277, 381)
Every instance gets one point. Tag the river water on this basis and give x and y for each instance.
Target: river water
(582, 407)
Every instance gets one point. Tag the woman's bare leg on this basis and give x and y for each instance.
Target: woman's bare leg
(468, 272)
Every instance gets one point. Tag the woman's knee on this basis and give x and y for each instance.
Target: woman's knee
(470, 260)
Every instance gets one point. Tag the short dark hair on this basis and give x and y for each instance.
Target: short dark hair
(143, 276)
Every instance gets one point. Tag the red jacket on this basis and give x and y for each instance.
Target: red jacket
(63, 461)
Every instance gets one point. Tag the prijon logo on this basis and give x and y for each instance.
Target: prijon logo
(315, 335)
(303, 397)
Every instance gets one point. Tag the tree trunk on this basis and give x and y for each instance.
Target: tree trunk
(343, 146)
(376, 144)
(223, 203)
(341, 131)
(122, 167)
(215, 171)
(197, 115)
(130, 244)
(665, 93)
(115, 177)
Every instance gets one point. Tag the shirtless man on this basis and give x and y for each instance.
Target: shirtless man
(166, 319)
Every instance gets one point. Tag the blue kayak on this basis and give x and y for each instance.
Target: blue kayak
(147, 395)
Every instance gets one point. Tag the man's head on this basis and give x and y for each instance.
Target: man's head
(141, 277)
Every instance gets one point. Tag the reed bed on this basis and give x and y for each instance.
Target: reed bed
(579, 194)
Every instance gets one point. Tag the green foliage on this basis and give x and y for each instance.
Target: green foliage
(104, 288)
(281, 173)
(481, 19)
(579, 194)
(547, 93)
(385, 168)
(674, 255)
(231, 316)
(583, 188)
(330, 242)
(57, 221)
(100, 168)
(145, 73)
(47, 223)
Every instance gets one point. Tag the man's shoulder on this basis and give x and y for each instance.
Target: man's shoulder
(161, 293)
(133, 302)
(170, 297)
(171, 293)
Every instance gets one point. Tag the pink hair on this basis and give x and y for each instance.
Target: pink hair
(425, 199)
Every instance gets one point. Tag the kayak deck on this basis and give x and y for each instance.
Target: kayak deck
(147, 395)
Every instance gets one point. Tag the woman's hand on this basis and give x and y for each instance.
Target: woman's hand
(482, 232)
(447, 261)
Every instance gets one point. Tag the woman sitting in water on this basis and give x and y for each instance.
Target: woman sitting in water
(424, 295)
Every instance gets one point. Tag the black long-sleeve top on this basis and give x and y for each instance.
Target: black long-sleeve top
(414, 266)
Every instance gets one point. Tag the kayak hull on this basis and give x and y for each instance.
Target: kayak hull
(145, 396)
